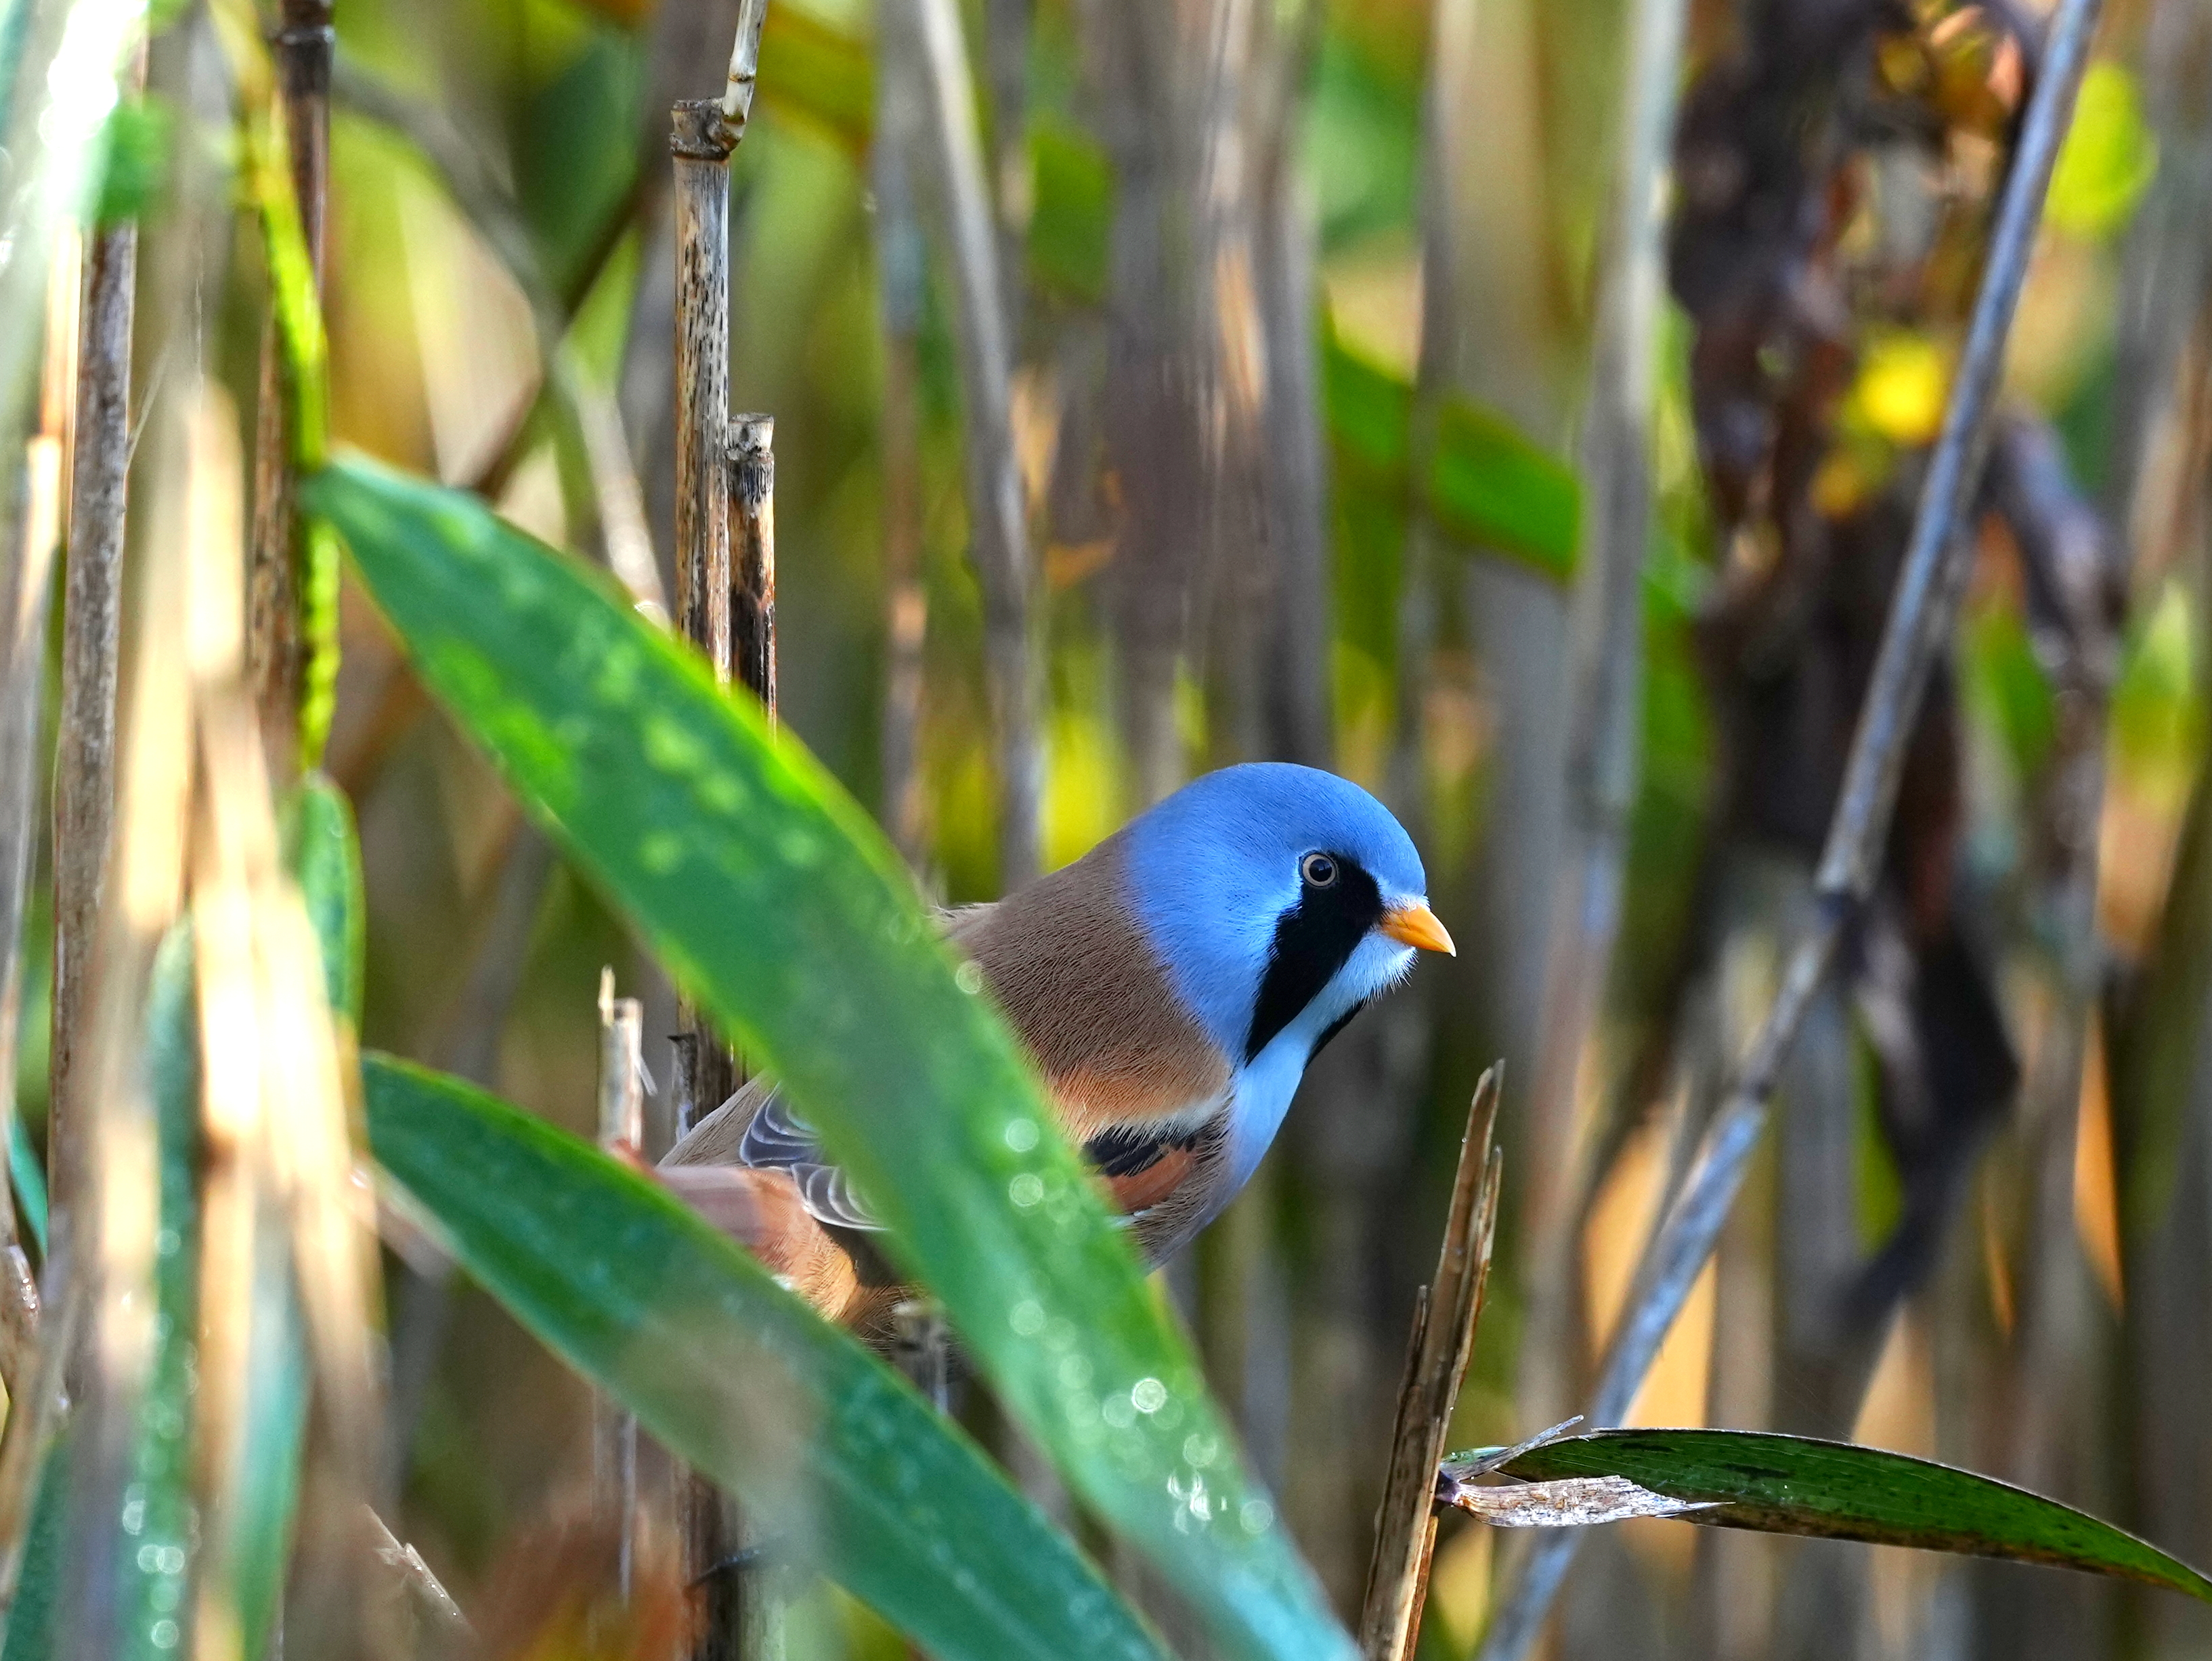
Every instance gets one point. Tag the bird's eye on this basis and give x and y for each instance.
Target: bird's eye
(1318, 869)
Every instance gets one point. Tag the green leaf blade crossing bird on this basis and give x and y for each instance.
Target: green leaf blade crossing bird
(1170, 987)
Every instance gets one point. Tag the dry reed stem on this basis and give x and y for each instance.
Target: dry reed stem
(900, 258)
(622, 1132)
(745, 69)
(929, 30)
(752, 556)
(84, 758)
(1446, 1313)
(302, 48)
(704, 1074)
(725, 479)
(701, 146)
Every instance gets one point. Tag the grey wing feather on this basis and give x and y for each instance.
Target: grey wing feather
(757, 1128)
(777, 1138)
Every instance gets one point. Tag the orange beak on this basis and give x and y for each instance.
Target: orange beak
(1414, 923)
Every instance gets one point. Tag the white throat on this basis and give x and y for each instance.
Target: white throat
(1263, 1086)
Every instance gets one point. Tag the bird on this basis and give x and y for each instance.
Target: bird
(1169, 988)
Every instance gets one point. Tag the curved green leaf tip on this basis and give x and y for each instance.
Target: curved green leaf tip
(324, 856)
(846, 1463)
(1799, 1485)
(771, 896)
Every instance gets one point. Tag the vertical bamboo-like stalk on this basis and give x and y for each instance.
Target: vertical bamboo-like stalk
(724, 480)
(900, 276)
(1606, 631)
(929, 31)
(702, 145)
(1007, 25)
(704, 1071)
(84, 758)
(276, 646)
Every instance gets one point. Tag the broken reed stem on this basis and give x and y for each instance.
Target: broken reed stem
(999, 532)
(701, 149)
(725, 481)
(752, 556)
(622, 1132)
(276, 645)
(737, 106)
(1921, 617)
(700, 145)
(1445, 1315)
(84, 755)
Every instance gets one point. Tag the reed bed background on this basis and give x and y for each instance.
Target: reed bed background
(1519, 408)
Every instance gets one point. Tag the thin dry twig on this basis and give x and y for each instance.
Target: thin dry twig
(1923, 611)
(901, 279)
(621, 1131)
(424, 1590)
(745, 67)
(1445, 1316)
(928, 34)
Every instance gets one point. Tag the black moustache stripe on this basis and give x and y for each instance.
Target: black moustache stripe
(1313, 940)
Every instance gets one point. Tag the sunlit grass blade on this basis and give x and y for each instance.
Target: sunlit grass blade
(63, 62)
(741, 1380)
(30, 1616)
(29, 1176)
(1798, 1485)
(154, 1545)
(771, 896)
(324, 856)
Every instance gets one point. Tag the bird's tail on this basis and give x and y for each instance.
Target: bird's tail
(762, 1211)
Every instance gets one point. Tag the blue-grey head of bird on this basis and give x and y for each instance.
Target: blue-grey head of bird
(1280, 899)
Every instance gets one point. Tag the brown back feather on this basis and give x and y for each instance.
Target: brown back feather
(1089, 998)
